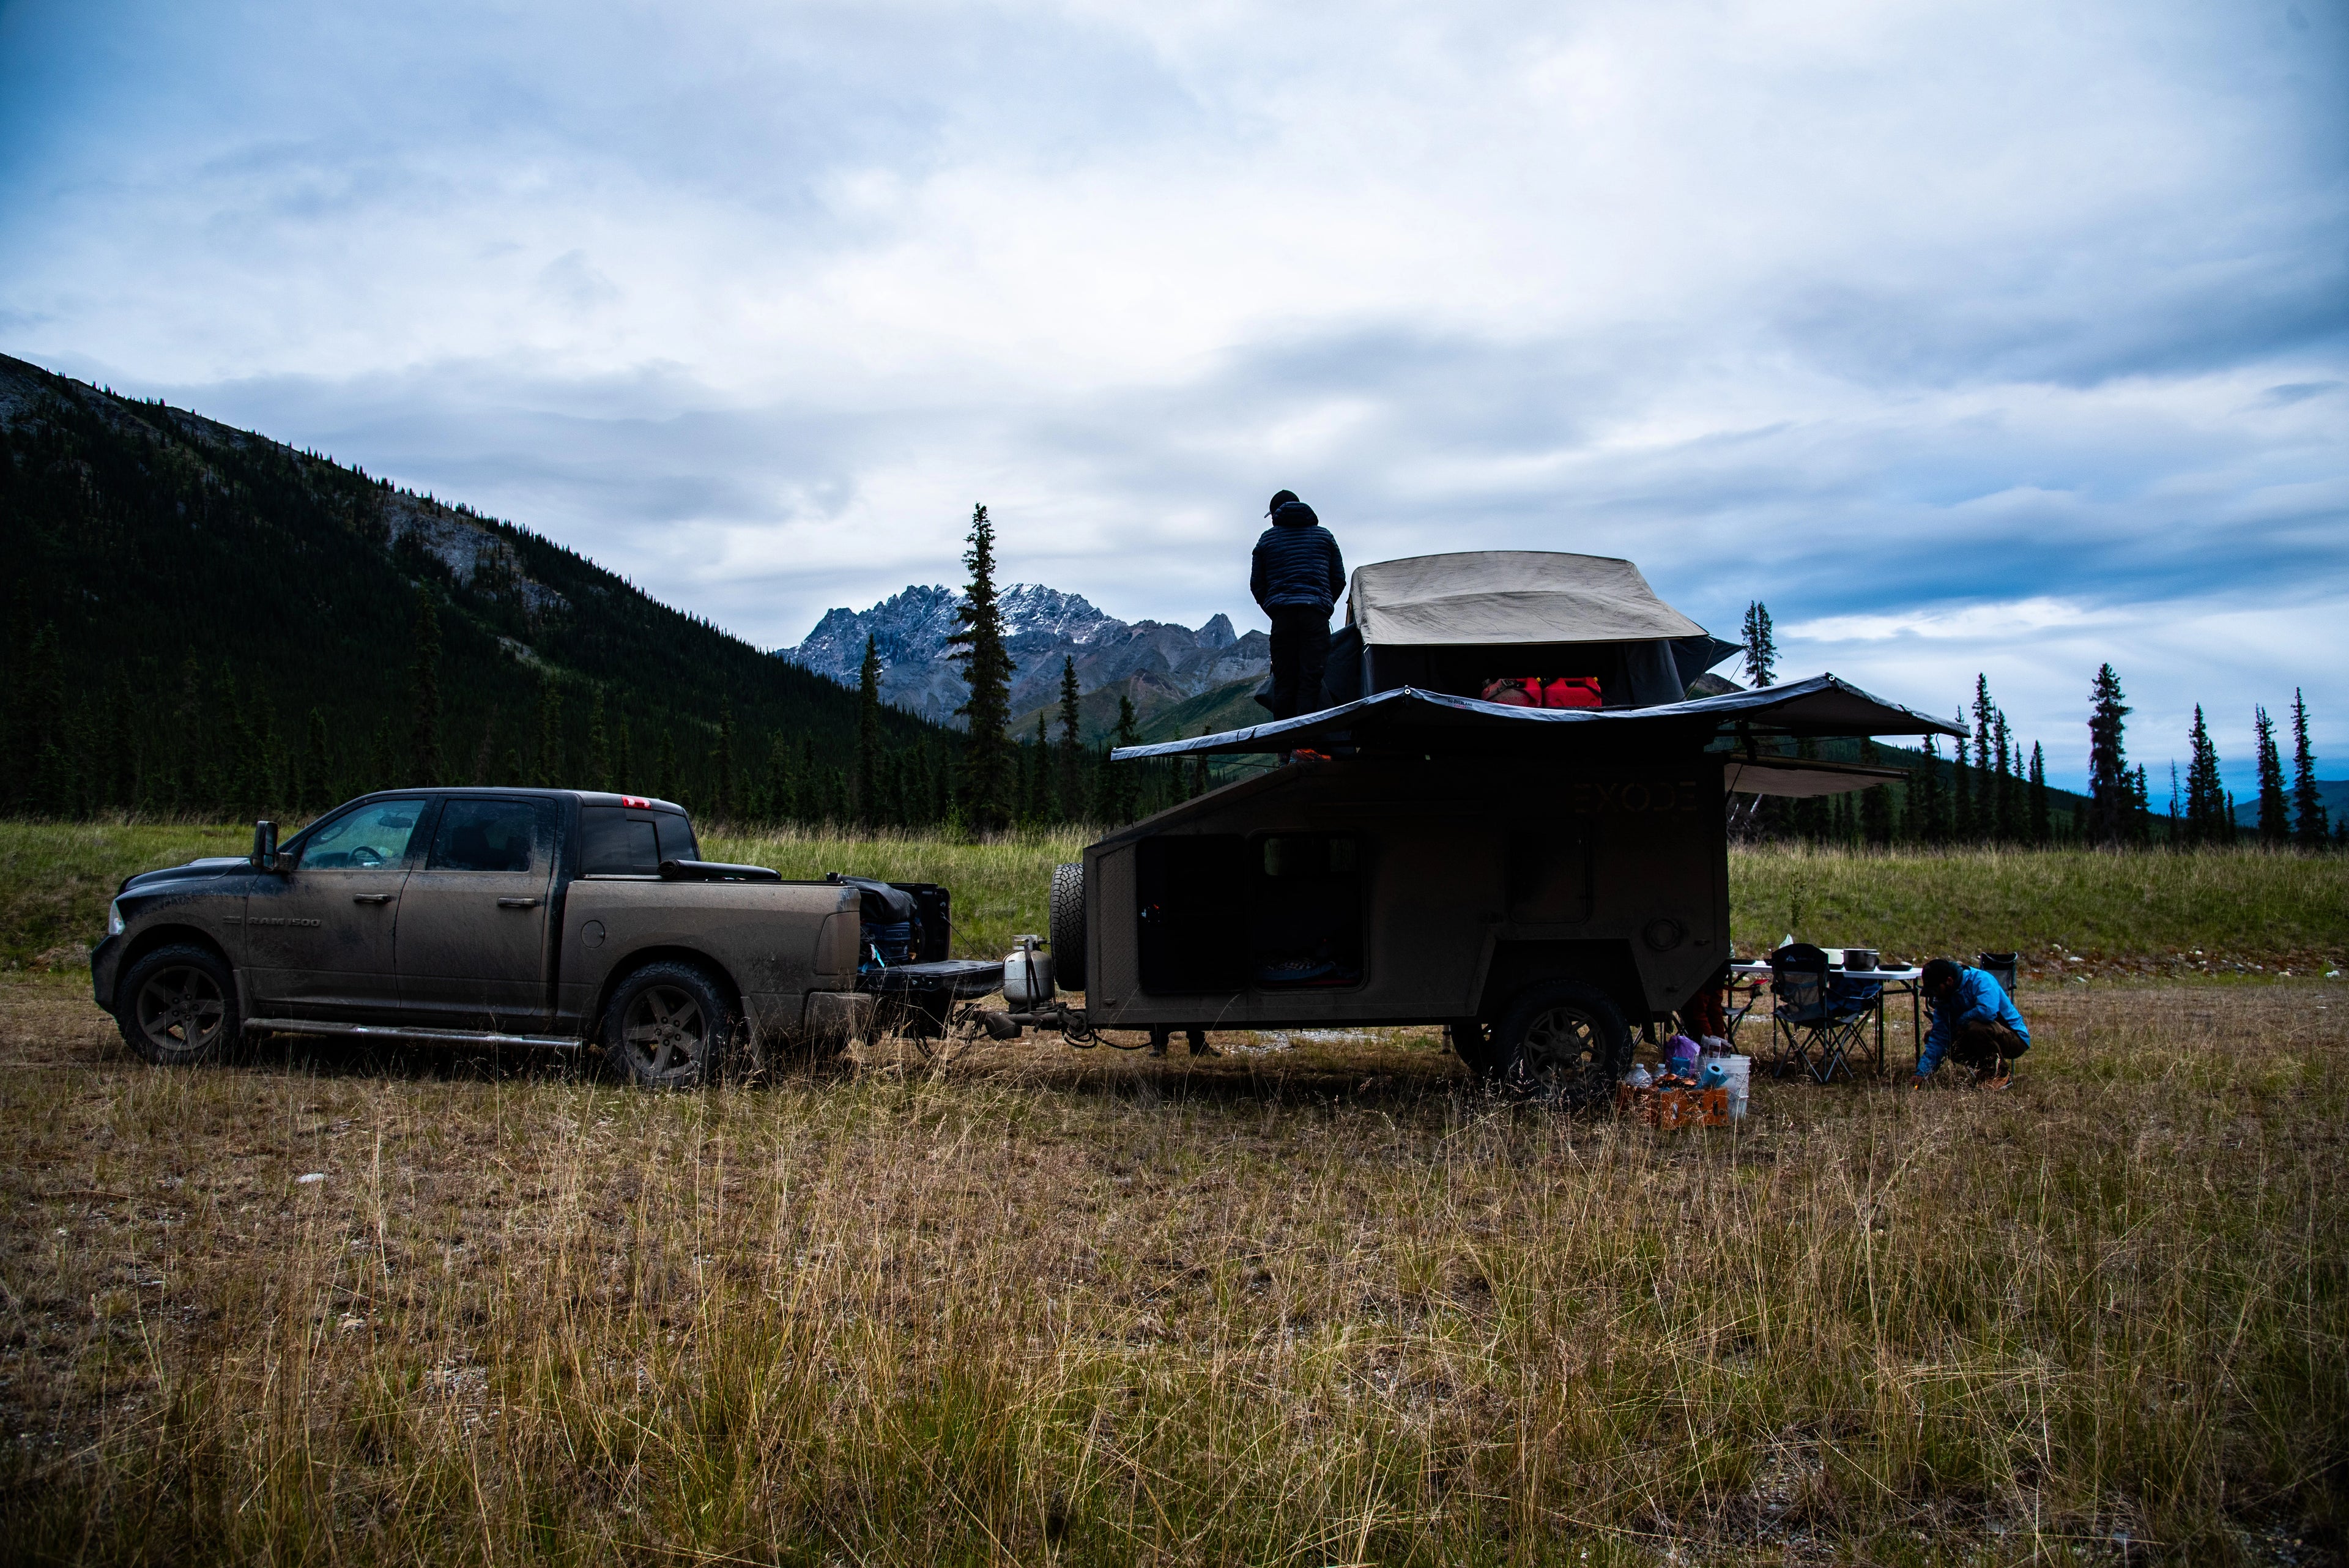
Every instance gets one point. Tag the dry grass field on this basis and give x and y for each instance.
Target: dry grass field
(1313, 1302)
(1317, 1301)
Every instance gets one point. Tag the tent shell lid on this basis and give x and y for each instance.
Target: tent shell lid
(1509, 597)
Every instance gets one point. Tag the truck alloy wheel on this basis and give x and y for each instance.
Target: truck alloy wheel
(1565, 1044)
(178, 1005)
(665, 1026)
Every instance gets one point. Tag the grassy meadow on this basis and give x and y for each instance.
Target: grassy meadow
(1315, 1301)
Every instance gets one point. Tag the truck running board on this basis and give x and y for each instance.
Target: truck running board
(419, 1035)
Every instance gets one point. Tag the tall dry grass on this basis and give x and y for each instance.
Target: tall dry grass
(1306, 1305)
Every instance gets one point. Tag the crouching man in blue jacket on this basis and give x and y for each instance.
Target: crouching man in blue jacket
(1296, 576)
(1975, 1025)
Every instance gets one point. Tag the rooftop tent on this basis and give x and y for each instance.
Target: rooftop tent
(1450, 623)
(1410, 719)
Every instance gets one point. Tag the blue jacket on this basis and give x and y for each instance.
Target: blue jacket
(1978, 1000)
(1296, 562)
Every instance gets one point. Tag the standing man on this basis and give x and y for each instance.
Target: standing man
(1297, 578)
(1975, 1025)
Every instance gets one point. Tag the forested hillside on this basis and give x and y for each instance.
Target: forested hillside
(202, 620)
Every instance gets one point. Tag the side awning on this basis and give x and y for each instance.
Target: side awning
(1799, 778)
(1410, 719)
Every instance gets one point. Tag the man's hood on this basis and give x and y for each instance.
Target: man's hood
(1294, 515)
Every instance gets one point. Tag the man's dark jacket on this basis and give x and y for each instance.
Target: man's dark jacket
(1296, 562)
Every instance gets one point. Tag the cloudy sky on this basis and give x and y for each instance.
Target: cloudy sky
(1996, 337)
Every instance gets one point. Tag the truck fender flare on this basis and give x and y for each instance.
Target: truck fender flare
(168, 935)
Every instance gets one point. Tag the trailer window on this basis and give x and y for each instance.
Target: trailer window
(1191, 893)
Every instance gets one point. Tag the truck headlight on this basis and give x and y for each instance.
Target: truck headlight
(114, 917)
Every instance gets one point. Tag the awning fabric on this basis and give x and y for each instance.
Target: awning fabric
(1408, 720)
(1512, 596)
(1799, 778)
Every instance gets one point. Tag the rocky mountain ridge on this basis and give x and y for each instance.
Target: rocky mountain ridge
(1158, 663)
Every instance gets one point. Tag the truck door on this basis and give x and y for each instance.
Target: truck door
(473, 922)
(319, 941)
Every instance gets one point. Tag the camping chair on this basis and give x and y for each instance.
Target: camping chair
(2000, 967)
(1817, 1021)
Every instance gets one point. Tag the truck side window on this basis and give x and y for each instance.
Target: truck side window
(362, 840)
(485, 836)
(613, 843)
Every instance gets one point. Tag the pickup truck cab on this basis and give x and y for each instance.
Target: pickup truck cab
(549, 918)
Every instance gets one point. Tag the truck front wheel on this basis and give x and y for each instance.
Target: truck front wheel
(667, 1025)
(179, 1004)
(1564, 1043)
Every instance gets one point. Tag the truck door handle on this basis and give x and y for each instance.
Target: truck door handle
(370, 898)
(517, 903)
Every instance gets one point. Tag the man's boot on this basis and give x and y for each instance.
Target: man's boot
(1158, 1042)
(1197, 1040)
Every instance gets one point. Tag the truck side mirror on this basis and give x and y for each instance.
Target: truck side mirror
(264, 846)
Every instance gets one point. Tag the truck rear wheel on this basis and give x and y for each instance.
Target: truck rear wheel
(668, 1025)
(1068, 923)
(178, 1005)
(1563, 1041)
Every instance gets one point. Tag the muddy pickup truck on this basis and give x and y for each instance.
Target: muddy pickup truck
(515, 918)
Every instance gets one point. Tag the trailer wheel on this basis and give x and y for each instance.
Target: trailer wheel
(1068, 923)
(667, 1027)
(1564, 1043)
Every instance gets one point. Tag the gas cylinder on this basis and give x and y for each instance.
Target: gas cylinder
(1027, 974)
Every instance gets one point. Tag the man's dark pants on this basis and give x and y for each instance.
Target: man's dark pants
(1981, 1045)
(1300, 650)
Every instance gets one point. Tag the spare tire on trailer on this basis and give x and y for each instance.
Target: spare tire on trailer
(1068, 926)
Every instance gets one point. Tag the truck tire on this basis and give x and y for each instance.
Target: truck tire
(668, 1025)
(1068, 924)
(178, 1005)
(1563, 1041)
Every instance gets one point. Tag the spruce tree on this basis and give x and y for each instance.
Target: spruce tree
(1761, 648)
(721, 761)
(1072, 753)
(1038, 769)
(2275, 811)
(1961, 794)
(867, 778)
(1117, 790)
(1875, 805)
(2109, 799)
(2308, 805)
(2006, 820)
(552, 764)
(2206, 795)
(425, 765)
(986, 770)
(599, 745)
(2042, 828)
(317, 766)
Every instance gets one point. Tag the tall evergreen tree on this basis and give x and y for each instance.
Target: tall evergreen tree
(2109, 799)
(1761, 646)
(1963, 827)
(1117, 792)
(2140, 812)
(2307, 804)
(425, 763)
(2043, 828)
(723, 803)
(1875, 805)
(2275, 811)
(599, 745)
(987, 770)
(1072, 752)
(1039, 770)
(318, 791)
(1986, 824)
(553, 766)
(2206, 795)
(2006, 822)
(867, 777)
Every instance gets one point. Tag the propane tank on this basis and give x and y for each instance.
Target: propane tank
(1028, 975)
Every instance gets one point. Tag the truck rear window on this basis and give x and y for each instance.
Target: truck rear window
(615, 841)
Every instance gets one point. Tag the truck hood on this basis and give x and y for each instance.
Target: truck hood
(195, 870)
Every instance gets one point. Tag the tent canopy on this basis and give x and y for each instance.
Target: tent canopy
(1410, 719)
(1509, 596)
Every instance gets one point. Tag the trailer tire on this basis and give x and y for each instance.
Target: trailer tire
(1068, 922)
(1563, 1043)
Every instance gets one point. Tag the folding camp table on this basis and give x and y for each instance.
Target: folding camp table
(1754, 977)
